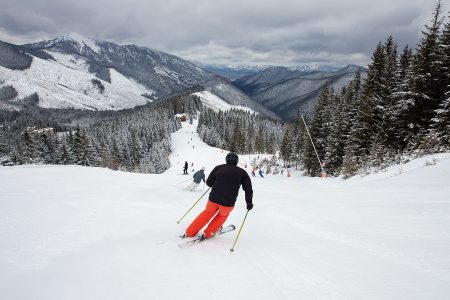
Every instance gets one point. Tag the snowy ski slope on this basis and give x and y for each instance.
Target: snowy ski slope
(71, 232)
(216, 103)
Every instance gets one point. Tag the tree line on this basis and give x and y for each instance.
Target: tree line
(239, 131)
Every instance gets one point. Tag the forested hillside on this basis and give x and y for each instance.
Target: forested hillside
(400, 112)
(136, 140)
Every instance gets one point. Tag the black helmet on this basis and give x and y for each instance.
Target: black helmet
(232, 158)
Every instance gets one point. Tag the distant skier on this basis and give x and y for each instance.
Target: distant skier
(253, 173)
(225, 181)
(185, 168)
(198, 177)
(261, 173)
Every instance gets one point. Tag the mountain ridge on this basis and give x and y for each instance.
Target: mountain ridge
(286, 92)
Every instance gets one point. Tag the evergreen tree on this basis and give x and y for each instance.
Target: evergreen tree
(70, 149)
(286, 149)
(366, 125)
(441, 122)
(29, 149)
(259, 142)
(334, 149)
(403, 121)
(351, 163)
(319, 130)
(78, 146)
(88, 156)
(390, 81)
(427, 66)
(64, 158)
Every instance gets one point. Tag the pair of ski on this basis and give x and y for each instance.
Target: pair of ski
(201, 238)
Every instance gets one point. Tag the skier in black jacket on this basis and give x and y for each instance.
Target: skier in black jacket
(225, 181)
(185, 168)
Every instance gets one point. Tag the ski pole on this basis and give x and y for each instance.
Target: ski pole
(242, 225)
(178, 222)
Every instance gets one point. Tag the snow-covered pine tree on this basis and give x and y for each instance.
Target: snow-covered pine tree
(286, 144)
(236, 139)
(427, 84)
(115, 155)
(334, 149)
(381, 91)
(366, 126)
(387, 101)
(48, 148)
(87, 155)
(319, 130)
(78, 145)
(29, 147)
(259, 142)
(403, 121)
(441, 122)
(64, 154)
(351, 161)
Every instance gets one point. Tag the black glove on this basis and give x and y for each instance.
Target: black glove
(249, 206)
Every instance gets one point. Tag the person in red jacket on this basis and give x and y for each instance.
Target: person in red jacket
(225, 181)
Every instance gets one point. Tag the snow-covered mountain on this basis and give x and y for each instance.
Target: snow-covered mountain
(285, 91)
(79, 72)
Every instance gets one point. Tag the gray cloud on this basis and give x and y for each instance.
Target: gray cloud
(227, 32)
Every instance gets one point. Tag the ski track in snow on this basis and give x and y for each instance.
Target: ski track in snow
(70, 232)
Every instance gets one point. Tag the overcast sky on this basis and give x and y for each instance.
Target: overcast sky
(244, 32)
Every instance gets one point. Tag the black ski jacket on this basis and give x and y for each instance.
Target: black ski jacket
(225, 181)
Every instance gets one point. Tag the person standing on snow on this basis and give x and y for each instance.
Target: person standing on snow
(261, 173)
(185, 168)
(225, 181)
(198, 177)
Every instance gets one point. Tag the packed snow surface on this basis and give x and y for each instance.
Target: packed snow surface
(71, 232)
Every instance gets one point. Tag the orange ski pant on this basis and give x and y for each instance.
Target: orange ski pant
(212, 209)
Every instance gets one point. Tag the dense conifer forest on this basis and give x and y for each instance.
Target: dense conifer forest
(135, 140)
